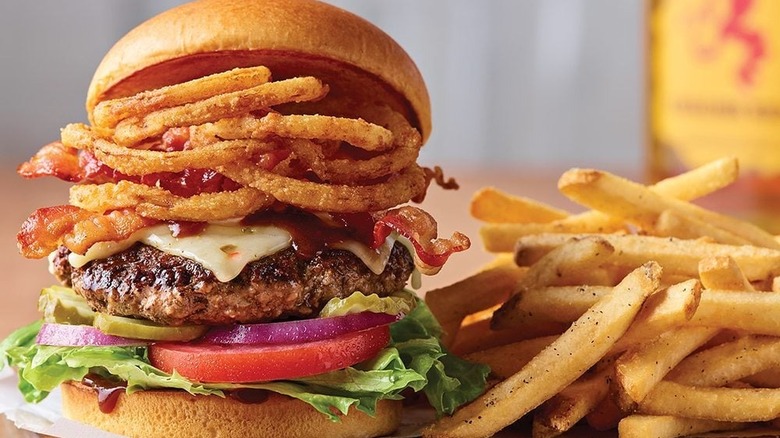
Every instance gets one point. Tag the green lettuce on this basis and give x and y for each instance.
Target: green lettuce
(414, 359)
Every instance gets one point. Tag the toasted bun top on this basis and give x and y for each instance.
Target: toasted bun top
(291, 37)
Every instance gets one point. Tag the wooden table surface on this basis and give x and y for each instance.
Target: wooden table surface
(24, 278)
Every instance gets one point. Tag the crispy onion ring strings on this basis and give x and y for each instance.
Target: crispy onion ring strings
(161, 204)
(345, 170)
(331, 197)
(108, 113)
(141, 162)
(308, 136)
(132, 131)
(356, 132)
(346, 157)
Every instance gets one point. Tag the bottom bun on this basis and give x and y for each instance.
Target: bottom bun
(173, 413)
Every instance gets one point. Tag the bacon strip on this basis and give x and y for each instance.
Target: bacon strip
(76, 228)
(43, 230)
(80, 166)
(420, 228)
(54, 159)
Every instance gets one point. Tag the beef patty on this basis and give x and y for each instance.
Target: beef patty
(144, 282)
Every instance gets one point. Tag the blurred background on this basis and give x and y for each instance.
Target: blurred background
(538, 83)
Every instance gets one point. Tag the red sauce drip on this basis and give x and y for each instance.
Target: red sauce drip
(108, 391)
(186, 183)
(310, 234)
(248, 396)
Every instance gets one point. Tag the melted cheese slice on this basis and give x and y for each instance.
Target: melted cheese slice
(225, 249)
(376, 260)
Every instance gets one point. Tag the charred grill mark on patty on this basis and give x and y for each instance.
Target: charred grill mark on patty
(144, 282)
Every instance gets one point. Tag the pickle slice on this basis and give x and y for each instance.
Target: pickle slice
(62, 305)
(142, 329)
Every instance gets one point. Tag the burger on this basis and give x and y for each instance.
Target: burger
(235, 255)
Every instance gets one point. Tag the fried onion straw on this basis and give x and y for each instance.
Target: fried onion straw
(109, 113)
(134, 130)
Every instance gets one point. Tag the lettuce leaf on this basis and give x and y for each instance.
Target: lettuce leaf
(414, 359)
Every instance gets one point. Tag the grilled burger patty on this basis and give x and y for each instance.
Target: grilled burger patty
(147, 283)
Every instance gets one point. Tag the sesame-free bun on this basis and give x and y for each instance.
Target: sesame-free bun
(175, 413)
(291, 37)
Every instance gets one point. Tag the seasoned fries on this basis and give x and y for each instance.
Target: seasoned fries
(558, 365)
(494, 285)
(721, 403)
(641, 206)
(505, 360)
(494, 206)
(666, 426)
(678, 256)
(561, 412)
(638, 370)
(648, 314)
(728, 362)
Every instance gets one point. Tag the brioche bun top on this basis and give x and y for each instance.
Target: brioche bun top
(291, 37)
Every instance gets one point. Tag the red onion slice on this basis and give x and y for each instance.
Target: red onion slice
(64, 335)
(293, 332)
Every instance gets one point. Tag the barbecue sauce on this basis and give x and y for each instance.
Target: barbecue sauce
(108, 391)
(310, 234)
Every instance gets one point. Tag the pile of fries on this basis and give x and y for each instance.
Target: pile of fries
(647, 313)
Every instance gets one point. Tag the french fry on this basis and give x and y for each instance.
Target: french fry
(667, 426)
(729, 362)
(722, 272)
(556, 303)
(577, 257)
(751, 312)
(722, 404)
(638, 370)
(494, 206)
(638, 204)
(505, 360)
(582, 345)
(701, 181)
(561, 412)
(488, 288)
(677, 256)
(502, 237)
(669, 308)
(671, 223)
(664, 310)
(479, 316)
(479, 336)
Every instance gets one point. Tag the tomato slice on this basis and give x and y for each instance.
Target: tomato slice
(217, 363)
